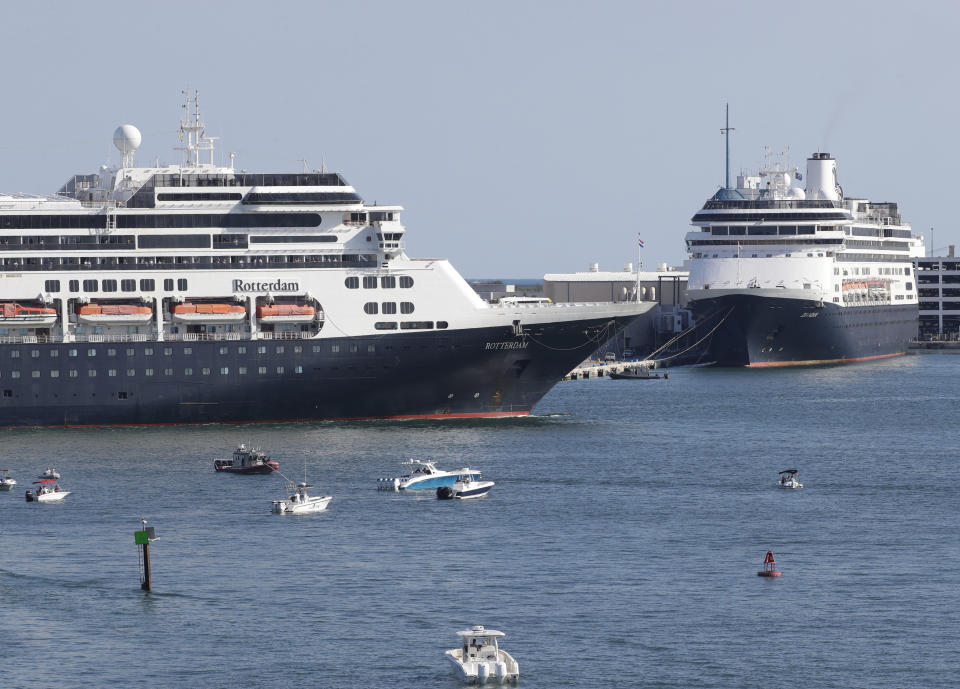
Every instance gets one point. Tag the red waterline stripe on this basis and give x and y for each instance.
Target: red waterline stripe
(814, 362)
(403, 417)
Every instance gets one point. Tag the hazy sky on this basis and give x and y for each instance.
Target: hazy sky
(521, 137)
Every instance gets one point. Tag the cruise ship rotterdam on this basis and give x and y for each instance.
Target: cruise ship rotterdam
(782, 275)
(197, 293)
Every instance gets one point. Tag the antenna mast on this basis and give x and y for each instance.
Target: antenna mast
(193, 126)
(726, 132)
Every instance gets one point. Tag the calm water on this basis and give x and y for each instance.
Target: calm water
(618, 549)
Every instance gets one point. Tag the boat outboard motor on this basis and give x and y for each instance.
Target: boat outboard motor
(501, 671)
(483, 670)
(29, 496)
(445, 493)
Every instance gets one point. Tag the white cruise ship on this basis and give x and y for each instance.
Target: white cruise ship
(788, 275)
(197, 293)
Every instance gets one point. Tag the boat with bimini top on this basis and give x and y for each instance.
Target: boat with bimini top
(47, 490)
(479, 657)
(424, 475)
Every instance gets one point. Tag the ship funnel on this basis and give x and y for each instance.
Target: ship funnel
(822, 177)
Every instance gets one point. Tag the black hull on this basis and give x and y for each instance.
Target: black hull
(456, 373)
(765, 331)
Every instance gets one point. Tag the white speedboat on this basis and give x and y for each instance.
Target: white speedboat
(790, 478)
(50, 473)
(299, 502)
(6, 483)
(424, 476)
(480, 658)
(47, 491)
(465, 487)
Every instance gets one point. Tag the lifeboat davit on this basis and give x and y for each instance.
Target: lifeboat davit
(286, 313)
(15, 315)
(114, 314)
(209, 313)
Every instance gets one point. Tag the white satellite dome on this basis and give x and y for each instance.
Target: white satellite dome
(127, 138)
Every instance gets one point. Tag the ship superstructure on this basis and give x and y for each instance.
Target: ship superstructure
(783, 275)
(194, 293)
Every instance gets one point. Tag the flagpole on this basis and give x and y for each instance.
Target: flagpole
(639, 266)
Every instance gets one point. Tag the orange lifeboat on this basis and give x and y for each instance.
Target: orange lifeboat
(208, 313)
(16, 315)
(769, 567)
(114, 314)
(286, 313)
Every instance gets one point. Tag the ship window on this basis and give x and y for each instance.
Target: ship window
(35, 353)
(109, 285)
(388, 282)
(297, 349)
(148, 351)
(128, 285)
(406, 307)
(388, 307)
(54, 353)
(279, 369)
(205, 371)
(242, 370)
(334, 348)
(298, 369)
(371, 348)
(442, 325)
(147, 285)
(174, 241)
(354, 348)
(168, 284)
(182, 284)
(906, 271)
(72, 352)
(369, 282)
(92, 373)
(261, 350)
(73, 373)
(352, 283)
(91, 352)
(262, 370)
(385, 325)
(74, 285)
(89, 285)
(188, 371)
(406, 281)
(15, 354)
(370, 307)
(242, 349)
(317, 348)
(35, 374)
(54, 373)
(416, 325)
(112, 372)
(224, 370)
(131, 372)
(224, 350)
(51, 286)
(720, 230)
(188, 350)
(736, 229)
(279, 349)
(8, 393)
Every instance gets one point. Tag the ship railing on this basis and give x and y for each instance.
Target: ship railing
(292, 335)
(205, 337)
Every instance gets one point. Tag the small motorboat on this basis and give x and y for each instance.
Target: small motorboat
(789, 478)
(47, 491)
(465, 487)
(6, 482)
(641, 372)
(299, 502)
(423, 476)
(480, 658)
(50, 473)
(247, 460)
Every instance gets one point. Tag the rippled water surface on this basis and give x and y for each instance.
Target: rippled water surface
(619, 547)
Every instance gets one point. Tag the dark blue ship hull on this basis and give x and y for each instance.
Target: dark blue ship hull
(435, 374)
(764, 331)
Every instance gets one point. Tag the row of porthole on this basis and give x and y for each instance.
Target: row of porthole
(386, 282)
(130, 372)
(387, 307)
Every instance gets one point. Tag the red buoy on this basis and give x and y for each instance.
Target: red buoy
(769, 567)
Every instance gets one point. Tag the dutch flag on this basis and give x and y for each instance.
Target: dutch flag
(640, 242)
